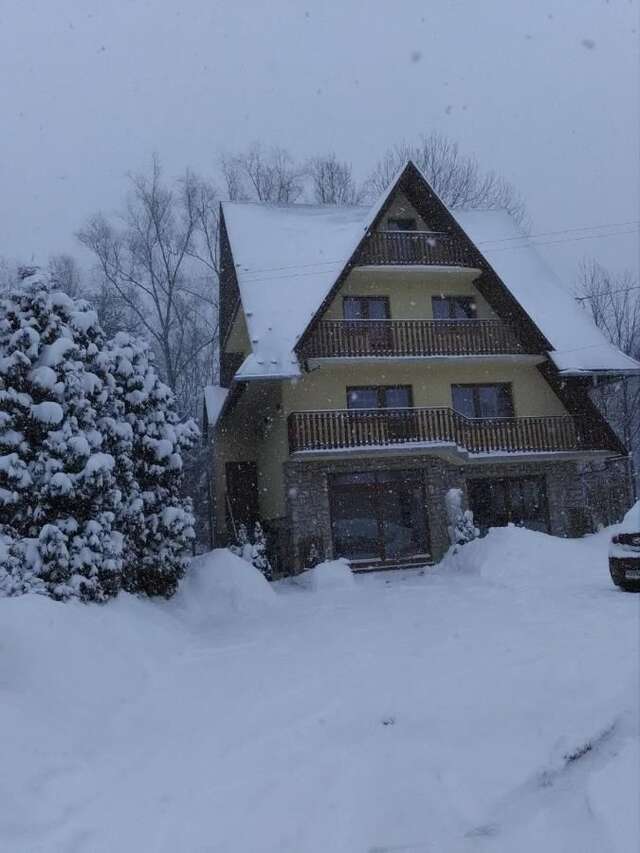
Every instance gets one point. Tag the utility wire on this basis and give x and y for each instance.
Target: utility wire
(607, 293)
(250, 279)
(526, 240)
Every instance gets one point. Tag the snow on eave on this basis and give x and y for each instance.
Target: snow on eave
(214, 399)
(254, 369)
(610, 372)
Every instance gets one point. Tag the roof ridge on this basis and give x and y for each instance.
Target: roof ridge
(294, 205)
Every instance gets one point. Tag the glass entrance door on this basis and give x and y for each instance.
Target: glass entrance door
(379, 515)
(404, 518)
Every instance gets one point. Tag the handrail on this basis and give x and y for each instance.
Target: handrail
(402, 338)
(415, 247)
(338, 429)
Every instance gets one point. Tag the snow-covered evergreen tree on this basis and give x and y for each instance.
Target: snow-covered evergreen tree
(147, 439)
(57, 486)
(90, 455)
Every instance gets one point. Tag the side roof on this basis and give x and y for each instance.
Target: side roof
(290, 259)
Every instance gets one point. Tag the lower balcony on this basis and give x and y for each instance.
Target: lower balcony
(410, 339)
(361, 429)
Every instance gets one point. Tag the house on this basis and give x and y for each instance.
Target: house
(371, 359)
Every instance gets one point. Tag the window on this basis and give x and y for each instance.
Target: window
(366, 308)
(509, 500)
(453, 307)
(380, 397)
(378, 515)
(401, 223)
(483, 401)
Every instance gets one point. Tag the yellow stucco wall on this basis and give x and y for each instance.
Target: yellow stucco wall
(273, 451)
(409, 292)
(254, 431)
(325, 388)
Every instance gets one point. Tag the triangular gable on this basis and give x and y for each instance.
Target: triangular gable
(412, 183)
(375, 216)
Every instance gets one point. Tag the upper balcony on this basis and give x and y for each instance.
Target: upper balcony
(414, 248)
(411, 339)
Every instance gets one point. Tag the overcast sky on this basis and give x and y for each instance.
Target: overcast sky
(544, 91)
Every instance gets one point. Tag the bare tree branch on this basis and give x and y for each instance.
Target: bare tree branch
(161, 264)
(614, 304)
(455, 177)
(332, 181)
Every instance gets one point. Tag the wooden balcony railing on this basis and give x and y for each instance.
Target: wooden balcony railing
(410, 338)
(429, 248)
(363, 428)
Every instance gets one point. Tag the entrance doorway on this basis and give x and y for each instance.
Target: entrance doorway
(379, 516)
(242, 494)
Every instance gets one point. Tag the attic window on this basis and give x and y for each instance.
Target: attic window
(404, 223)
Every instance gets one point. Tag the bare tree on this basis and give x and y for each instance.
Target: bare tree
(66, 275)
(613, 301)
(270, 176)
(159, 263)
(8, 274)
(332, 181)
(456, 177)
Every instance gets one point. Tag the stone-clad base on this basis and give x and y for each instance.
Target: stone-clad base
(581, 496)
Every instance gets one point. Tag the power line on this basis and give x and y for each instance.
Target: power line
(563, 231)
(608, 293)
(526, 240)
(250, 280)
(566, 240)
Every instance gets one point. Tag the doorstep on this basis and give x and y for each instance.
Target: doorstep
(361, 566)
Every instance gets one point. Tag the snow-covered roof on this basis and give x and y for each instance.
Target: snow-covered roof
(288, 258)
(214, 399)
(578, 345)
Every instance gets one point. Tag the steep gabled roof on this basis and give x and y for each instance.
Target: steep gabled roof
(579, 346)
(290, 260)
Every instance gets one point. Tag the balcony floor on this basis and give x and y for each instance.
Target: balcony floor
(519, 358)
(447, 450)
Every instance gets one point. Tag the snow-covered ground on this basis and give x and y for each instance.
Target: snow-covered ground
(490, 704)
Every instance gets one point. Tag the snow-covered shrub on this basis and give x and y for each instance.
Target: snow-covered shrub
(313, 556)
(90, 455)
(242, 546)
(461, 528)
(259, 555)
(255, 553)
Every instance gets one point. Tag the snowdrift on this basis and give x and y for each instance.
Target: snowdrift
(174, 715)
(219, 586)
(330, 575)
(525, 558)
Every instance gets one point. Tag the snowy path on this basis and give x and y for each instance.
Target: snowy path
(423, 713)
